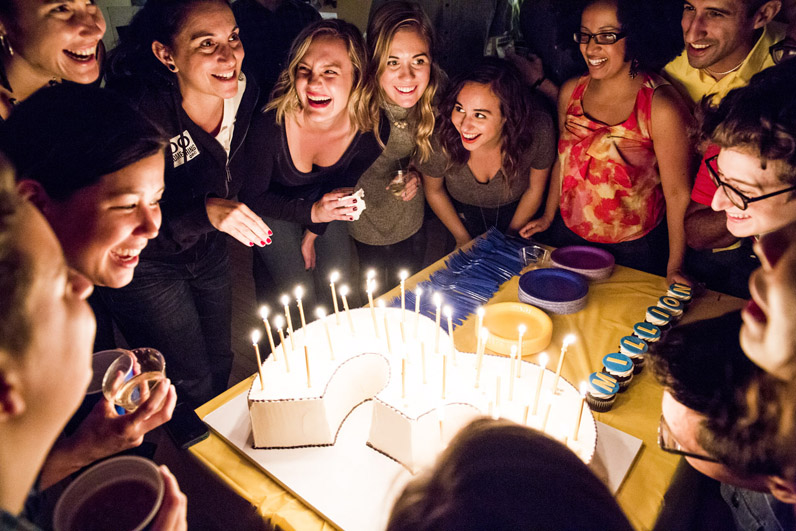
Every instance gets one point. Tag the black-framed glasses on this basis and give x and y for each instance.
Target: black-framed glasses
(668, 443)
(737, 198)
(605, 37)
(783, 50)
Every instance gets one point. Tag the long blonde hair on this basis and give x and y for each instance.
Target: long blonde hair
(284, 97)
(383, 26)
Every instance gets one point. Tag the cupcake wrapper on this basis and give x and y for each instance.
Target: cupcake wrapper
(599, 405)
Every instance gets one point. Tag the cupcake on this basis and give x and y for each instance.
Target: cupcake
(671, 305)
(635, 348)
(659, 317)
(602, 391)
(684, 292)
(621, 367)
(647, 331)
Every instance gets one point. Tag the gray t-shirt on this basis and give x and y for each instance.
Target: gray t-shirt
(498, 191)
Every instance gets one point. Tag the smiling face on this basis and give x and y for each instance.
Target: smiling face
(742, 171)
(718, 34)
(408, 68)
(477, 117)
(57, 39)
(104, 227)
(324, 79)
(603, 60)
(767, 334)
(207, 52)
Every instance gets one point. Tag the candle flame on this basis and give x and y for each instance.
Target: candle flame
(381, 304)
(513, 350)
(437, 299)
(255, 337)
(334, 277)
(279, 322)
(298, 292)
(418, 291)
(484, 334)
(569, 339)
(480, 311)
(583, 388)
(285, 299)
(371, 274)
(264, 312)
(343, 290)
(370, 285)
(543, 359)
(448, 311)
(320, 312)
(522, 329)
(403, 275)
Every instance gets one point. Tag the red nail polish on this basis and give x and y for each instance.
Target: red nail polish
(355, 209)
(270, 232)
(251, 244)
(355, 200)
(350, 219)
(262, 242)
(268, 241)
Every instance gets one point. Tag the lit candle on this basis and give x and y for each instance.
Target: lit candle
(521, 331)
(449, 316)
(321, 314)
(285, 302)
(438, 303)
(334, 277)
(403, 275)
(280, 322)
(583, 387)
(568, 340)
(423, 360)
(307, 364)
(343, 293)
(418, 293)
(543, 359)
(299, 293)
(369, 287)
(387, 334)
(482, 338)
(512, 370)
(264, 312)
(256, 343)
(479, 318)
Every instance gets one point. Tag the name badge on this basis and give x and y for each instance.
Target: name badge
(183, 149)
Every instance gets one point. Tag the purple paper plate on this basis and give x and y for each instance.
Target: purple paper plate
(554, 285)
(582, 257)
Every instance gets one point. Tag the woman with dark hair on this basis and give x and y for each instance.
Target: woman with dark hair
(305, 153)
(93, 166)
(624, 152)
(502, 476)
(181, 66)
(500, 143)
(45, 42)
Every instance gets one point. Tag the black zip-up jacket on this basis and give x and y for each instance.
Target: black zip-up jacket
(197, 167)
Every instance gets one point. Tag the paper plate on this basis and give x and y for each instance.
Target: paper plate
(591, 262)
(554, 285)
(503, 319)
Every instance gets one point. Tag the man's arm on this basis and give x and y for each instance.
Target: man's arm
(705, 228)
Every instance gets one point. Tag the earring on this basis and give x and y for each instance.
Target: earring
(172, 67)
(5, 45)
(633, 68)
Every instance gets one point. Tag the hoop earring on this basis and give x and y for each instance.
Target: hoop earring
(633, 68)
(5, 45)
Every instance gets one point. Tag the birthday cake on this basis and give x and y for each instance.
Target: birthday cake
(423, 390)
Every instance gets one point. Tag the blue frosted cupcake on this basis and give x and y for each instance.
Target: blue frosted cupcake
(602, 391)
(659, 317)
(636, 349)
(684, 292)
(647, 331)
(621, 367)
(672, 305)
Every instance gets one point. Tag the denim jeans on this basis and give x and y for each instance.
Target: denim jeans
(185, 312)
(285, 265)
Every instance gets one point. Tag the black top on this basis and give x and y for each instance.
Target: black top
(197, 167)
(267, 35)
(277, 189)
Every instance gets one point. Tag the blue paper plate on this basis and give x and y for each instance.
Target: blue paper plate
(554, 285)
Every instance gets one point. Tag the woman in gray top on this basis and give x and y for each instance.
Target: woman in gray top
(401, 82)
(500, 145)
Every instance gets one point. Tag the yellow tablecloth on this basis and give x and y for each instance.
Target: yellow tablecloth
(614, 305)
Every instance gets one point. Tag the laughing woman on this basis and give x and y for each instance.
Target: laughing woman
(43, 42)
(500, 143)
(181, 66)
(305, 152)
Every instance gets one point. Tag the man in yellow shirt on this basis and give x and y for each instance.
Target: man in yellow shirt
(726, 43)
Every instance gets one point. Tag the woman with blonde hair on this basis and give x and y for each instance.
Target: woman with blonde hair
(305, 152)
(401, 83)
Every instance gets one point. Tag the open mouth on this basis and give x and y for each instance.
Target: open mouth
(406, 90)
(225, 77)
(83, 56)
(753, 311)
(318, 102)
(126, 257)
(697, 48)
(470, 137)
(596, 62)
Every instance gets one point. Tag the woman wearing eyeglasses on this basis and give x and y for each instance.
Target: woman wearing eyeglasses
(624, 153)
(756, 168)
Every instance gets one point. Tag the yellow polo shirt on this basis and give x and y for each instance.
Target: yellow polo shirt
(697, 83)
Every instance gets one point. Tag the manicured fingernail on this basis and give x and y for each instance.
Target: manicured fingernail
(262, 242)
(350, 219)
(268, 241)
(355, 209)
(251, 244)
(270, 233)
(355, 200)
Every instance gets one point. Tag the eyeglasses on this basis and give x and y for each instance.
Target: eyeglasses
(668, 443)
(737, 198)
(783, 50)
(608, 37)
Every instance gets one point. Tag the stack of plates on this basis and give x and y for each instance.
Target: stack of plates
(592, 263)
(555, 290)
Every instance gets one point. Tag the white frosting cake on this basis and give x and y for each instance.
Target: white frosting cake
(412, 420)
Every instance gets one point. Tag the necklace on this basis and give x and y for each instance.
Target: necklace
(396, 122)
(731, 70)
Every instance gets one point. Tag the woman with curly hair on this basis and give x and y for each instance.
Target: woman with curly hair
(624, 151)
(401, 81)
(500, 146)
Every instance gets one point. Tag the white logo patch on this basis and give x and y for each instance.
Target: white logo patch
(183, 148)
